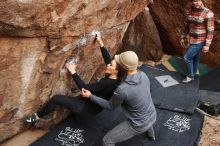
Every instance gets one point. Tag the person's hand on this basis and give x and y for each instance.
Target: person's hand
(182, 42)
(85, 93)
(71, 67)
(98, 36)
(99, 40)
(205, 49)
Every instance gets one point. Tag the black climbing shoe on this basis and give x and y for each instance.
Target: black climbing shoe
(32, 119)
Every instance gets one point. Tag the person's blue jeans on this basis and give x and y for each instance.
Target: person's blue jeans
(191, 58)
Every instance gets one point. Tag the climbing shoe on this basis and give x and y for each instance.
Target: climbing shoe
(32, 119)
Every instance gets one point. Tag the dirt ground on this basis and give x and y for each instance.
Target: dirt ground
(210, 135)
(210, 132)
(25, 138)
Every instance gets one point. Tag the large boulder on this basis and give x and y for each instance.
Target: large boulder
(37, 36)
(142, 37)
(64, 17)
(169, 17)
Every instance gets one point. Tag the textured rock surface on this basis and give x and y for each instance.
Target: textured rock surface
(20, 64)
(45, 33)
(169, 16)
(142, 37)
(64, 17)
(31, 73)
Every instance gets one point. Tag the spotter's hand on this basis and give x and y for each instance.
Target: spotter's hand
(85, 93)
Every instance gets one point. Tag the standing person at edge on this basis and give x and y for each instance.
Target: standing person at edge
(199, 27)
(104, 88)
(134, 95)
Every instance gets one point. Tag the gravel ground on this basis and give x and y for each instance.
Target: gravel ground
(210, 132)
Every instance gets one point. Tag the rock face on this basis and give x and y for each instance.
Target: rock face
(37, 36)
(64, 17)
(169, 17)
(142, 37)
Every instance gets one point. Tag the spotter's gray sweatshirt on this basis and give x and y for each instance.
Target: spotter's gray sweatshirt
(134, 96)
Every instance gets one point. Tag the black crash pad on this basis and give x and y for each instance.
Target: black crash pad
(84, 131)
(210, 102)
(211, 81)
(180, 97)
(209, 89)
(171, 129)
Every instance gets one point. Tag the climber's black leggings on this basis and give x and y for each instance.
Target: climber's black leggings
(77, 105)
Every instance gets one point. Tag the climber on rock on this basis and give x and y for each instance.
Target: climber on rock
(104, 88)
